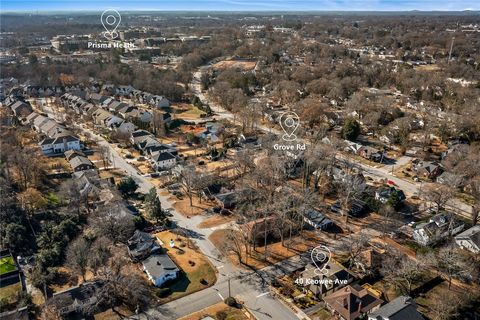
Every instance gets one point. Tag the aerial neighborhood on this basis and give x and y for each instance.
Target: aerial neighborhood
(240, 165)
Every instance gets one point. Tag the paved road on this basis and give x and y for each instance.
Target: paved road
(246, 286)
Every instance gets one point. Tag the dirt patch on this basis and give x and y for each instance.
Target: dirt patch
(276, 252)
(183, 206)
(234, 64)
(216, 220)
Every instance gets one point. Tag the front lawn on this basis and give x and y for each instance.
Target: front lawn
(198, 273)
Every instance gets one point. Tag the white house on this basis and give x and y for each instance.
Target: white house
(163, 160)
(160, 268)
(469, 239)
(438, 228)
(61, 144)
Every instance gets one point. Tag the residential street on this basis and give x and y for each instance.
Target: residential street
(410, 188)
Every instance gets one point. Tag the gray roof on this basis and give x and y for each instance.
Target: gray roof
(159, 264)
(79, 160)
(401, 308)
(472, 234)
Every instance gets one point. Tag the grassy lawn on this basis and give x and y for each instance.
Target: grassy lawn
(212, 311)
(193, 113)
(190, 280)
(7, 264)
(9, 293)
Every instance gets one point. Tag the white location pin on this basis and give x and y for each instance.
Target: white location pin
(320, 257)
(111, 19)
(289, 121)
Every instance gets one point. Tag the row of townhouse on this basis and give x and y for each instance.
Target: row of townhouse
(57, 138)
(155, 101)
(161, 156)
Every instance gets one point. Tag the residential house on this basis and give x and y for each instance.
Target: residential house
(80, 163)
(126, 127)
(335, 277)
(212, 132)
(400, 308)
(141, 245)
(163, 160)
(352, 302)
(113, 122)
(30, 118)
(451, 179)
(469, 239)
(73, 302)
(70, 154)
(159, 102)
(96, 98)
(383, 195)
(52, 146)
(163, 148)
(138, 136)
(437, 228)
(317, 220)
(124, 90)
(370, 153)
(430, 170)
(160, 268)
(21, 109)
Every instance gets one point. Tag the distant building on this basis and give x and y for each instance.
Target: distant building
(469, 239)
(401, 308)
(317, 220)
(160, 268)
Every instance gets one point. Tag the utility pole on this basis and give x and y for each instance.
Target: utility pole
(451, 49)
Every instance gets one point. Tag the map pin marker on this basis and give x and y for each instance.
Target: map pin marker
(289, 121)
(111, 19)
(320, 257)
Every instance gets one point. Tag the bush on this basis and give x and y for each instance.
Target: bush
(221, 315)
(163, 292)
(231, 302)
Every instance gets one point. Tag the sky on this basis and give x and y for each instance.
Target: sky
(241, 5)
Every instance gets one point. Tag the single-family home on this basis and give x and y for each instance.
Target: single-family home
(469, 239)
(141, 245)
(159, 102)
(160, 268)
(163, 160)
(400, 308)
(352, 302)
(72, 302)
(31, 117)
(322, 284)
(383, 195)
(21, 109)
(139, 136)
(51, 146)
(126, 127)
(317, 220)
(437, 228)
(370, 153)
(427, 169)
(80, 163)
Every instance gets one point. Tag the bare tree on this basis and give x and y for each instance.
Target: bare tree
(106, 156)
(438, 194)
(78, 256)
(353, 246)
(349, 188)
(114, 223)
(99, 254)
(445, 306)
(401, 271)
